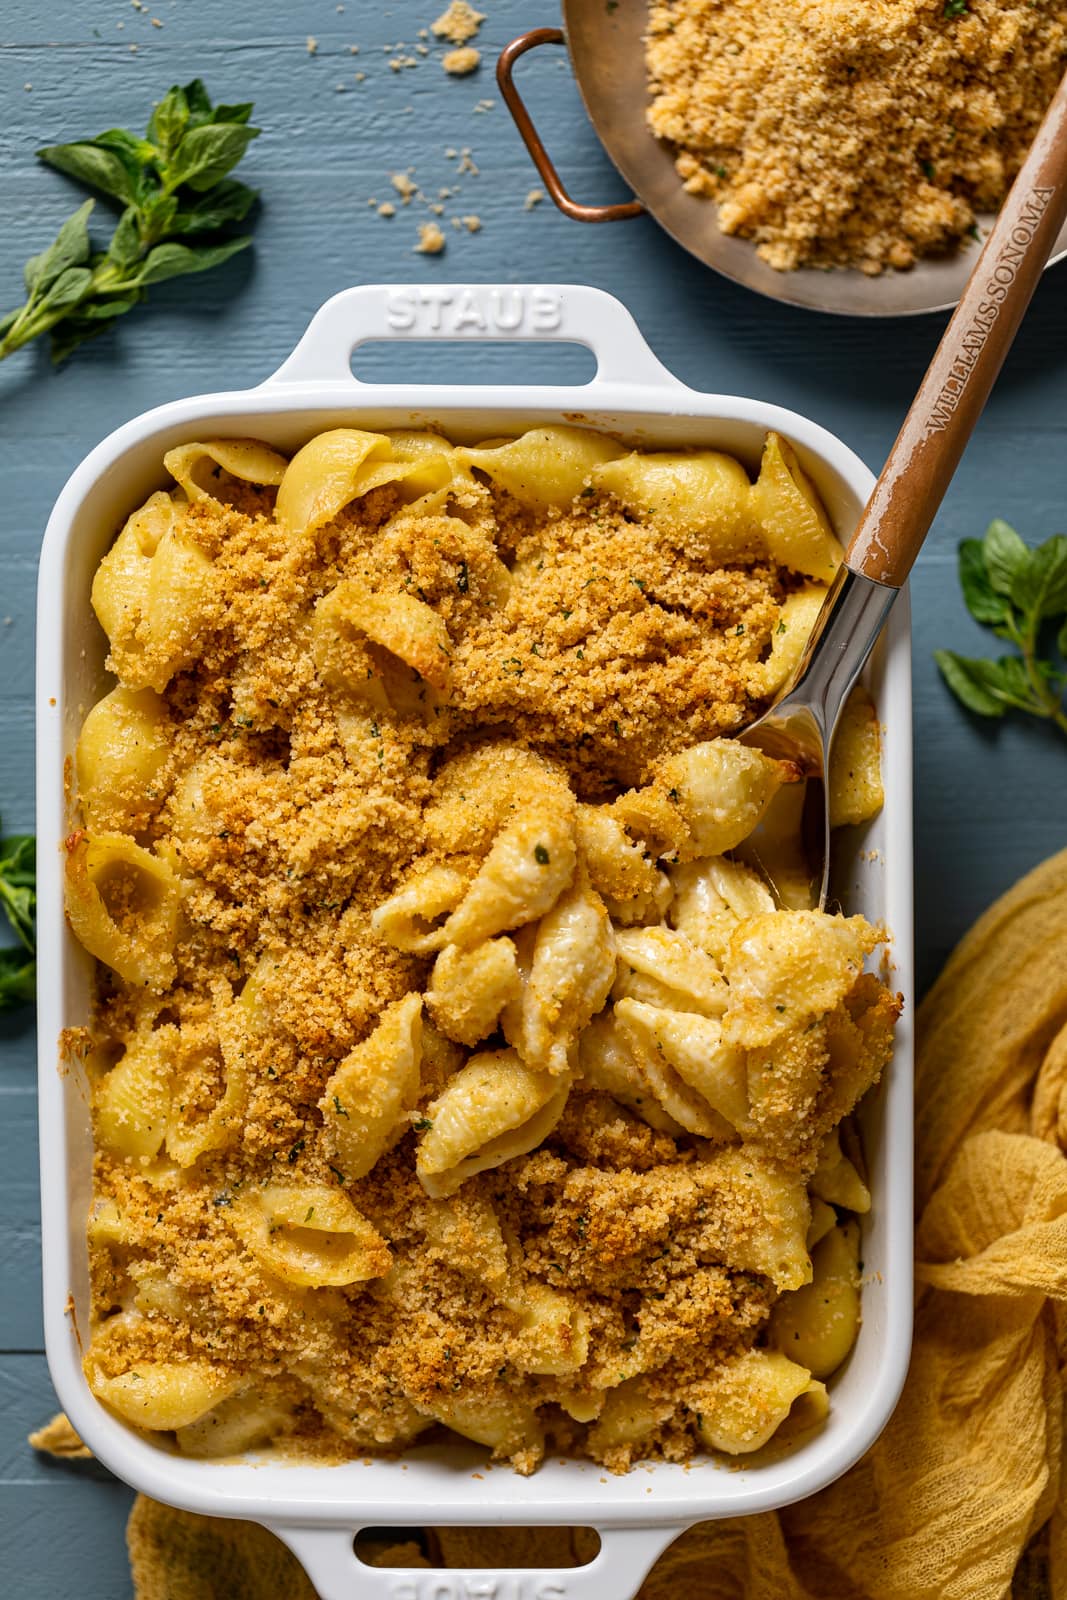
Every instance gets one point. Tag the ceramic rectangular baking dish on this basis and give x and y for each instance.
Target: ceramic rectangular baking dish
(317, 1510)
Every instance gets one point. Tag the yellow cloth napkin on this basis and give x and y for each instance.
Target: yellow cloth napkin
(961, 1497)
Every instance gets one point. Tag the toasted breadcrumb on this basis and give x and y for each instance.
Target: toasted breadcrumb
(460, 62)
(860, 135)
(431, 240)
(472, 224)
(533, 198)
(459, 23)
(312, 44)
(387, 209)
(405, 186)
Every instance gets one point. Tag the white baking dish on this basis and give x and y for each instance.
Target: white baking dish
(316, 1509)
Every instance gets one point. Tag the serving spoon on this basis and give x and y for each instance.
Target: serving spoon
(800, 726)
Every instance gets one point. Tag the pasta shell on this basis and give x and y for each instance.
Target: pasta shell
(530, 864)
(493, 1109)
(366, 1101)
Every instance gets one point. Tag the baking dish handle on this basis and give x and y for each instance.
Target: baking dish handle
(624, 1560)
(572, 312)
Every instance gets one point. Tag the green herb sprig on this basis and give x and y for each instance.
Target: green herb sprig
(1021, 593)
(172, 186)
(18, 896)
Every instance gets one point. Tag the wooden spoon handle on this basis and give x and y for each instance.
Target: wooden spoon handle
(950, 400)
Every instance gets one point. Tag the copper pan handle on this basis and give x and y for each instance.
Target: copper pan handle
(966, 363)
(533, 141)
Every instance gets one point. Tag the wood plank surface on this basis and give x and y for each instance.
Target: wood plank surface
(989, 800)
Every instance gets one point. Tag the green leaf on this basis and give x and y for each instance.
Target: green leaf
(125, 248)
(113, 306)
(18, 886)
(228, 201)
(239, 113)
(91, 164)
(135, 150)
(982, 600)
(18, 978)
(70, 287)
(207, 153)
(199, 102)
(1040, 587)
(1005, 555)
(69, 249)
(169, 120)
(1061, 639)
(976, 683)
(1011, 681)
(175, 260)
(18, 858)
(157, 216)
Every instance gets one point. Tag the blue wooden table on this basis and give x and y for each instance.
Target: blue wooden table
(989, 800)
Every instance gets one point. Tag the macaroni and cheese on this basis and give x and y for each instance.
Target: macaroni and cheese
(466, 1048)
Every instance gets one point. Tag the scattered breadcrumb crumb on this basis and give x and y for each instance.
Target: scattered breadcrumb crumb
(424, 33)
(472, 224)
(459, 23)
(455, 223)
(533, 198)
(445, 193)
(338, 88)
(387, 209)
(360, 76)
(460, 62)
(313, 44)
(431, 240)
(133, 49)
(437, 208)
(155, 22)
(372, 201)
(485, 105)
(58, 1438)
(404, 185)
(27, 87)
(422, 49)
(353, 49)
(398, 63)
(466, 162)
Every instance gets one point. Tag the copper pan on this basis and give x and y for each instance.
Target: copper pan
(606, 46)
